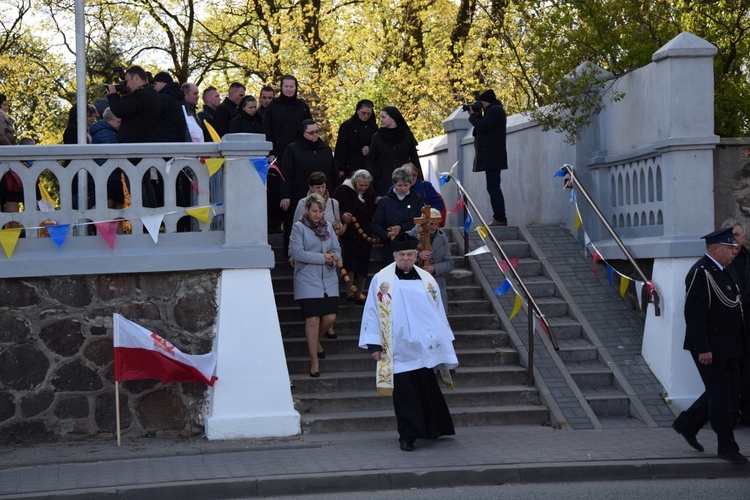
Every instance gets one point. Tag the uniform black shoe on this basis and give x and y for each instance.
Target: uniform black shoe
(691, 440)
(734, 457)
(406, 445)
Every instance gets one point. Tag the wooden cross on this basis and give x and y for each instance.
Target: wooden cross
(424, 221)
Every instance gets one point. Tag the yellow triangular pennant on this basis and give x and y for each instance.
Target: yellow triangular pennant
(482, 232)
(577, 223)
(516, 306)
(214, 164)
(624, 282)
(214, 136)
(9, 238)
(200, 213)
(46, 204)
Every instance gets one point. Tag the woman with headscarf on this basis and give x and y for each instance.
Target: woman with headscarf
(392, 146)
(247, 120)
(282, 120)
(354, 138)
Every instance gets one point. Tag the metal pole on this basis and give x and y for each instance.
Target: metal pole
(80, 76)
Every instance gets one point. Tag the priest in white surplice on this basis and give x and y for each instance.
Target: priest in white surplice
(405, 328)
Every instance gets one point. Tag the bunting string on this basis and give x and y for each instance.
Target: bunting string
(589, 247)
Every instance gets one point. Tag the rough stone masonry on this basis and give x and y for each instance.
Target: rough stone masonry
(56, 354)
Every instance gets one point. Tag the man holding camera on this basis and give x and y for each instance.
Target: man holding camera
(139, 110)
(490, 154)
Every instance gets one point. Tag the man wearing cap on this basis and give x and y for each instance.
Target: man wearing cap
(172, 126)
(490, 155)
(713, 335)
(405, 329)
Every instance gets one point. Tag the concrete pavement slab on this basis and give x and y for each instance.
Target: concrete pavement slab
(197, 468)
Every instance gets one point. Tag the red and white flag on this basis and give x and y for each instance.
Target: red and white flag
(141, 354)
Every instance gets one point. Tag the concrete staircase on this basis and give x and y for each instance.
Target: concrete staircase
(490, 384)
(584, 363)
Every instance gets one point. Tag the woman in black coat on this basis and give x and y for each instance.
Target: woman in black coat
(396, 211)
(301, 158)
(354, 139)
(392, 146)
(247, 120)
(356, 200)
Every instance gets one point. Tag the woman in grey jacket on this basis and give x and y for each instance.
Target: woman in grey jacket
(315, 249)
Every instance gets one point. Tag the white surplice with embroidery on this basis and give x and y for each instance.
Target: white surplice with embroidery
(421, 335)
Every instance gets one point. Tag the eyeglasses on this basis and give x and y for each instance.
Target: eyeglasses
(312, 132)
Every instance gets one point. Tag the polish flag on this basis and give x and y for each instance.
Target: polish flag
(141, 354)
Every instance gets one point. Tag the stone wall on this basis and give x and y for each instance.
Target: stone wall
(56, 354)
(732, 181)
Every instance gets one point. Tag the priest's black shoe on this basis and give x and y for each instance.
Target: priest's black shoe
(406, 445)
(691, 440)
(734, 457)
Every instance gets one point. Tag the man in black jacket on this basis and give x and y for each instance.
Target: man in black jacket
(172, 126)
(211, 100)
(228, 108)
(713, 335)
(139, 110)
(490, 155)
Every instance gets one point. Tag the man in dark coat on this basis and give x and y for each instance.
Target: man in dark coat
(139, 110)
(172, 126)
(740, 270)
(713, 335)
(354, 138)
(211, 100)
(490, 155)
(228, 108)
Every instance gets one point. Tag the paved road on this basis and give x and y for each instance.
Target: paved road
(664, 489)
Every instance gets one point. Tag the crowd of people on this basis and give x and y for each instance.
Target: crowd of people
(331, 208)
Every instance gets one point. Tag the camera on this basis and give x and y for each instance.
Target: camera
(121, 87)
(475, 106)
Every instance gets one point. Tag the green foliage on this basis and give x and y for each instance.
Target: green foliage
(423, 56)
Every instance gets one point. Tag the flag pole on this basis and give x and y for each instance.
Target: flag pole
(117, 410)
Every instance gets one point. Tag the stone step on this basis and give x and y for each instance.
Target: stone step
(590, 374)
(348, 343)
(469, 307)
(384, 420)
(361, 361)
(565, 327)
(370, 400)
(552, 306)
(331, 382)
(474, 339)
(607, 402)
(292, 324)
(577, 353)
(465, 292)
(460, 277)
(285, 298)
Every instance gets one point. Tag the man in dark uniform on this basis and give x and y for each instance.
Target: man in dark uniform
(713, 335)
